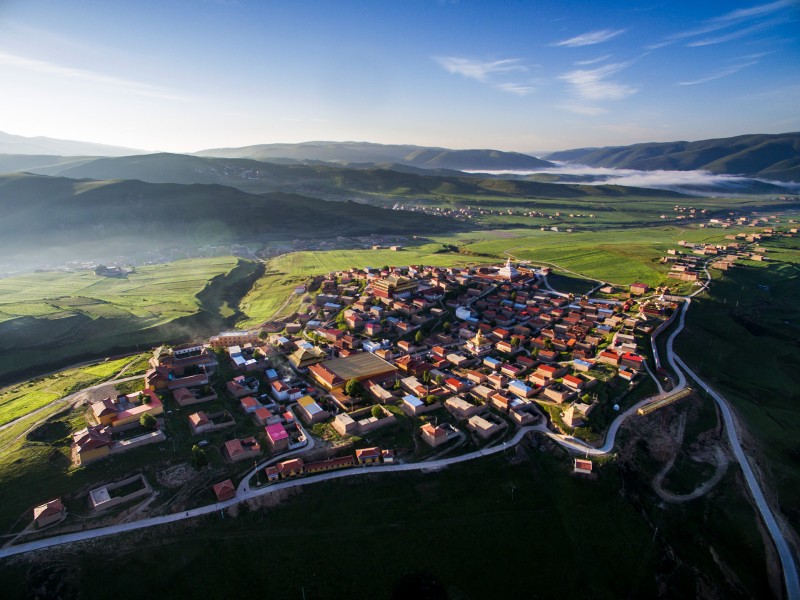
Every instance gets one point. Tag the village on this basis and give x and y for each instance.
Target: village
(393, 365)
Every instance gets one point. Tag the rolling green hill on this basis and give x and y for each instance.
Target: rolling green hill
(770, 156)
(55, 211)
(362, 152)
(326, 181)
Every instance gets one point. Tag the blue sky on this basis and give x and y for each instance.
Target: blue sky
(182, 75)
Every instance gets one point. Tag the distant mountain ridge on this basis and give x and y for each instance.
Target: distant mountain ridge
(367, 152)
(18, 144)
(769, 156)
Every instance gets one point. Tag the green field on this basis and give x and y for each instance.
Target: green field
(487, 529)
(19, 400)
(285, 272)
(51, 319)
(743, 339)
(617, 256)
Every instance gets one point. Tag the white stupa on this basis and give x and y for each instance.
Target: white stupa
(508, 271)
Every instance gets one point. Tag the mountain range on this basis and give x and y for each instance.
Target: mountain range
(767, 156)
(18, 144)
(346, 153)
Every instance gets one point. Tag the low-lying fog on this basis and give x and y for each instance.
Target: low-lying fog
(690, 182)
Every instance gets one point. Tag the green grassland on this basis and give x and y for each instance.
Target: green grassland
(48, 320)
(21, 399)
(284, 272)
(613, 255)
(744, 340)
(491, 528)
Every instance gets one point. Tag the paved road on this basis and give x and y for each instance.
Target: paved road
(790, 575)
(69, 398)
(244, 493)
(254, 493)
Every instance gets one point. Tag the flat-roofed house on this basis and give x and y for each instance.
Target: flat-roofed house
(311, 411)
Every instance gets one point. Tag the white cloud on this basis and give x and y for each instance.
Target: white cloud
(49, 68)
(519, 89)
(592, 84)
(719, 75)
(732, 19)
(733, 35)
(592, 61)
(478, 69)
(590, 38)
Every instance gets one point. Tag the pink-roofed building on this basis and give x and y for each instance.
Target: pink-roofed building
(277, 437)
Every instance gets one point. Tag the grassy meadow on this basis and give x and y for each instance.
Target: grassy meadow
(743, 338)
(48, 320)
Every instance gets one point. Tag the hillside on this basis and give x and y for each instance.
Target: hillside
(42, 214)
(325, 181)
(18, 144)
(768, 156)
(363, 152)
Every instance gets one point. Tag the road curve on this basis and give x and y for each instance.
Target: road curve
(255, 493)
(244, 493)
(790, 575)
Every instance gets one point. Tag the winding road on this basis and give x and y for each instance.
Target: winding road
(788, 564)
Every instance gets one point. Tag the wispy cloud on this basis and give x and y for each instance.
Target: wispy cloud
(733, 35)
(593, 84)
(478, 69)
(489, 72)
(724, 73)
(520, 89)
(592, 61)
(590, 38)
(731, 19)
(49, 68)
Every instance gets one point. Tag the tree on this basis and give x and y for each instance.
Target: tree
(515, 342)
(148, 421)
(426, 377)
(377, 412)
(513, 295)
(431, 399)
(446, 326)
(419, 337)
(262, 335)
(397, 384)
(199, 458)
(439, 380)
(143, 398)
(353, 388)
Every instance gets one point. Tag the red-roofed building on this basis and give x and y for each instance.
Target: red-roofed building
(241, 449)
(49, 513)
(224, 490)
(291, 468)
(368, 456)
